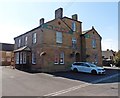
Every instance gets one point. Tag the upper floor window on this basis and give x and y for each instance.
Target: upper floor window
(34, 38)
(26, 40)
(73, 26)
(74, 42)
(94, 43)
(19, 42)
(59, 37)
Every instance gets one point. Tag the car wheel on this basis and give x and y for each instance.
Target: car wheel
(75, 70)
(94, 72)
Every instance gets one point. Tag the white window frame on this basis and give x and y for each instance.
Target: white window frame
(24, 57)
(21, 58)
(34, 36)
(94, 43)
(26, 40)
(17, 58)
(96, 58)
(19, 42)
(73, 26)
(59, 37)
(62, 58)
(56, 60)
(74, 42)
(33, 58)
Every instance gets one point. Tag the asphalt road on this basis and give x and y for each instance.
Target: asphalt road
(19, 83)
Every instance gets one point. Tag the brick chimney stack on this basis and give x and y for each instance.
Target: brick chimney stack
(59, 13)
(75, 17)
(41, 21)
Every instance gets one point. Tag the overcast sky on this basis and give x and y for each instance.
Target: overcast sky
(18, 17)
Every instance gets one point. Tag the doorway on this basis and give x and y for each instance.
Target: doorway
(77, 57)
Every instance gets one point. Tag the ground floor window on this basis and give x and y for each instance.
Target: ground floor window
(33, 58)
(21, 57)
(59, 58)
(56, 61)
(24, 57)
(17, 57)
(62, 58)
(96, 58)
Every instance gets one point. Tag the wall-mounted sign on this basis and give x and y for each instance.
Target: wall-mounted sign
(56, 28)
(87, 36)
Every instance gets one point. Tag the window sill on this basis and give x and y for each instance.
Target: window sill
(59, 63)
(59, 42)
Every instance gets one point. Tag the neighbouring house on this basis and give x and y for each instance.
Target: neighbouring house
(54, 45)
(108, 57)
(6, 54)
(91, 46)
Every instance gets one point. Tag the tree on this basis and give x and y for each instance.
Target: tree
(117, 59)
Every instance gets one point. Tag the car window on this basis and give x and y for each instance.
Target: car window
(77, 64)
(86, 65)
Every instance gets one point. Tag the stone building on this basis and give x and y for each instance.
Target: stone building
(6, 54)
(52, 46)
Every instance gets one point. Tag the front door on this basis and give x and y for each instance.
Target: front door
(77, 57)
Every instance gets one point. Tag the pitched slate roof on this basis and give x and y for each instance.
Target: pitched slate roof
(87, 31)
(49, 22)
(6, 47)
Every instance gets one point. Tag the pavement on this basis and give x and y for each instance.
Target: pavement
(20, 83)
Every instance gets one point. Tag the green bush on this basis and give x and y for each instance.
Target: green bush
(117, 59)
(118, 64)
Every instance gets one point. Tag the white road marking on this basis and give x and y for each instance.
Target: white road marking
(80, 86)
(106, 78)
(67, 90)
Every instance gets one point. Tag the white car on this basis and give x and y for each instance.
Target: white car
(87, 67)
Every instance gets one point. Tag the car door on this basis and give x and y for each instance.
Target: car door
(79, 67)
(86, 68)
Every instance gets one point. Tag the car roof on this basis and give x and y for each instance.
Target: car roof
(80, 62)
(83, 62)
